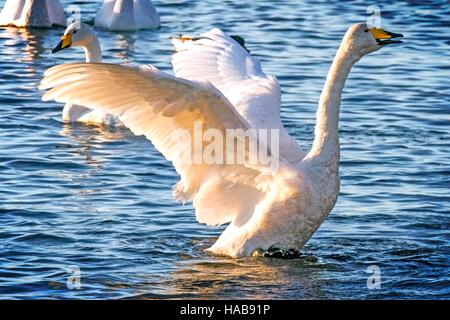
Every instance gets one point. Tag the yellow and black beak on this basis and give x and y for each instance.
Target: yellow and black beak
(384, 37)
(66, 42)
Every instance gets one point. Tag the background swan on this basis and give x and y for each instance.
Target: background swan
(281, 209)
(79, 34)
(127, 15)
(32, 13)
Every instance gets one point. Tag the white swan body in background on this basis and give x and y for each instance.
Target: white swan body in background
(266, 208)
(79, 34)
(127, 15)
(32, 13)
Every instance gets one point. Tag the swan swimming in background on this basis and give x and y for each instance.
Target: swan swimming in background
(32, 14)
(127, 15)
(79, 34)
(219, 84)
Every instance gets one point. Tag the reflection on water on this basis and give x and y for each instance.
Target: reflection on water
(24, 44)
(31, 39)
(83, 141)
(100, 198)
(124, 45)
(199, 279)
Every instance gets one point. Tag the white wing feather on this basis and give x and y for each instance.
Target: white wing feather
(155, 104)
(219, 59)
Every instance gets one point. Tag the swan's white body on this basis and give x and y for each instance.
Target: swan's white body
(32, 13)
(86, 38)
(224, 87)
(127, 15)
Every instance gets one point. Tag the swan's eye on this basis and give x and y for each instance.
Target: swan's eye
(74, 32)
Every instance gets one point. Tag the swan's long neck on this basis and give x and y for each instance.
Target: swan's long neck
(93, 51)
(325, 148)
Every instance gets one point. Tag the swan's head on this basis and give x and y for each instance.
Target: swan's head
(76, 34)
(362, 39)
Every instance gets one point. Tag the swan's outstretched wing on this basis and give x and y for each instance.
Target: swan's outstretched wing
(160, 106)
(228, 65)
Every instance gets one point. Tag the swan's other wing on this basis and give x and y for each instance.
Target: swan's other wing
(229, 66)
(160, 106)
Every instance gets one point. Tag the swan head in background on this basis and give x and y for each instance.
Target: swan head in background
(77, 34)
(362, 39)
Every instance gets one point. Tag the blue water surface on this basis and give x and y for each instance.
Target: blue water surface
(76, 196)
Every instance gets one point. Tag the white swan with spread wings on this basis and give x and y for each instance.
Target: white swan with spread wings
(220, 85)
